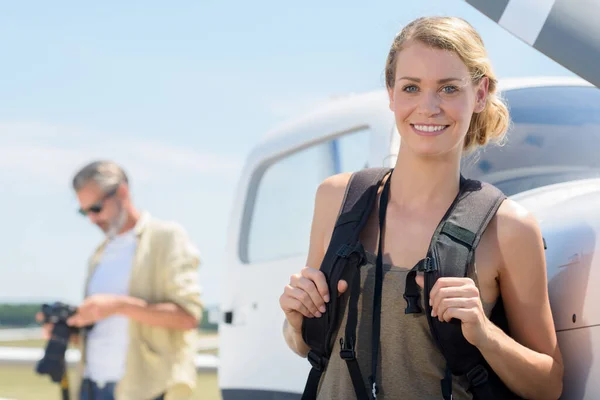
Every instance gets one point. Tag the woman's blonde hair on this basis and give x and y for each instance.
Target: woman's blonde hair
(457, 35)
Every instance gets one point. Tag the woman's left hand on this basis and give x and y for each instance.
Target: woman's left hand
(459, 298)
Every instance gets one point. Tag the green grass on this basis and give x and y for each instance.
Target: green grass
(22, 383)
(23, 343)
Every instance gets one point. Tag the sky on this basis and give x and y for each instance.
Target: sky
(178, 93)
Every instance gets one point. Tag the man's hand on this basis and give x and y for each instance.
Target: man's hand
(95, 308)
(46, 327)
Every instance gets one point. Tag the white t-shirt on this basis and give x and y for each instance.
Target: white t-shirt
(108, 341)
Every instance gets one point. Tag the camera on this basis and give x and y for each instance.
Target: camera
(53, 363)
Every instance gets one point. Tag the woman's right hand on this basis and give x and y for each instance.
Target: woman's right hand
(305, 296)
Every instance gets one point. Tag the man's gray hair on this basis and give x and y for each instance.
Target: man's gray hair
(105, 174)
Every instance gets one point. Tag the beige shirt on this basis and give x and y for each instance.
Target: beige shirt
(165, 269)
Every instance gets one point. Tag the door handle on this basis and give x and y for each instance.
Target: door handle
(228, 317)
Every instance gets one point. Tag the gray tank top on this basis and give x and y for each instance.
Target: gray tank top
(410, 366)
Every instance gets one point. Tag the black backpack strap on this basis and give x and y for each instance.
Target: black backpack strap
(348, 345)
(412, 292)
(452, 250)
(341, 261)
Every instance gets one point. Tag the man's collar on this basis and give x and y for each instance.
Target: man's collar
(141, 223)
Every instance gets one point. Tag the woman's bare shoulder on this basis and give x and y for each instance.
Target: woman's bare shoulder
(515, 223)
(331, 191)
(519, 239)
(328, 200)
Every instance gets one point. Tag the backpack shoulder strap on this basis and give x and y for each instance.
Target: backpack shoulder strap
(359, 183)
(466, 222)
(452, 250)
(361, 188)
(359, 198)
(343, 254)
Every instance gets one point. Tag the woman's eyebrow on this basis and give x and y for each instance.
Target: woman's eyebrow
(444, 80)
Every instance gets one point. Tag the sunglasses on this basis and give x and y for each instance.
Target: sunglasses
(97, 206)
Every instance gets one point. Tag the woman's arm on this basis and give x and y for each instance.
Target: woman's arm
(529, 362)
(307, 292)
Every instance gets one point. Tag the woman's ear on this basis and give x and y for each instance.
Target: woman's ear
(481, 94)
(391, 97)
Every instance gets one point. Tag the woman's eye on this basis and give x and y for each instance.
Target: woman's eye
(410, 89)
(449, 89)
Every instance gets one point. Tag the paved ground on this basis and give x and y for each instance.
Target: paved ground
(30, 355)
(20, 334)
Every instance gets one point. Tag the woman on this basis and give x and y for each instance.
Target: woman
(442, 91)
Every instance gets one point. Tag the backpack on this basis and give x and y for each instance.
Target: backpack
(450, 253)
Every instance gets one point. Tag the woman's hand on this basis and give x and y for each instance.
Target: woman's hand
(305, 296)
(459, 298)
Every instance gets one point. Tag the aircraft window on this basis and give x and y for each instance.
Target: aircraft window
(555, 138)
(350, 152)
(279, 212)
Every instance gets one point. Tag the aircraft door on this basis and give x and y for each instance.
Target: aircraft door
(272, 245)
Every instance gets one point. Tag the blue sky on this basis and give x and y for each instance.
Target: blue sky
(178, 93)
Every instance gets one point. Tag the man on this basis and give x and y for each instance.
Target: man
(141, 294)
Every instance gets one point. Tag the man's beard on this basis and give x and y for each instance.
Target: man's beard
(117, 224)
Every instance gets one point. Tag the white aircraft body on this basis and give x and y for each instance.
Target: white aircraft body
(550, 165)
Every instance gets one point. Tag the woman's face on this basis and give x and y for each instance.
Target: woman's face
(433, 99)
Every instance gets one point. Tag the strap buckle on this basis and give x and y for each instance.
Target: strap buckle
(426, 265)
(374, 387)
(412, 301)
(319, 363)
(347, 352)
(430, 265)
(478, 375)
(347, 250)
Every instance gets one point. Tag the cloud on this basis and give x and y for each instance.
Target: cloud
(51, 154)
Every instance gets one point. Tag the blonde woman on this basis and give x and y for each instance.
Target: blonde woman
(442, 91)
